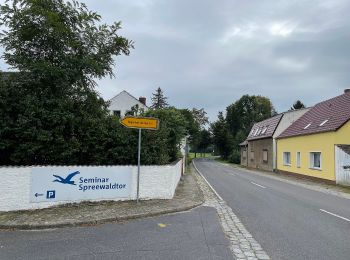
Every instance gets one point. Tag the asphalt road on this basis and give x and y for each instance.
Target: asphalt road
(191, 235)
(289, 221)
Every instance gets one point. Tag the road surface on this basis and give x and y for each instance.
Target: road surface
(196, 234)
(289, 221)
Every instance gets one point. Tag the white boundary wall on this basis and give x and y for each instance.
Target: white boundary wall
(156, 182)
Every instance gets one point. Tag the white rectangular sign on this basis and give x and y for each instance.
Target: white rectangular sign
(49, 184)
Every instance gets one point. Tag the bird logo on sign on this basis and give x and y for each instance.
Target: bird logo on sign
(67, 180)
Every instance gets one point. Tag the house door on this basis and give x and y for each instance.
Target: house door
(342, 164)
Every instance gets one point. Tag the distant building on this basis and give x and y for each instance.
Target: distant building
(259, 149)
(124, 103)
(317, 145)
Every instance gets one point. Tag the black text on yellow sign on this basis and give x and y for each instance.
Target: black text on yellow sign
(140, 122)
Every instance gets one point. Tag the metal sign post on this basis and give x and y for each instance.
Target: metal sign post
(138, 167)
(140, 123)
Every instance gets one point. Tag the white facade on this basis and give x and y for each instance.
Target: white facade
(123, 102)
(156, 182)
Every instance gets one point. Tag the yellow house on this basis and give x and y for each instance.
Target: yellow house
(317, 145)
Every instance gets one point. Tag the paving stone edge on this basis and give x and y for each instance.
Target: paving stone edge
(99, 221)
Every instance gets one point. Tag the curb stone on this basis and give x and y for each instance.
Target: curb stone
(242, 243)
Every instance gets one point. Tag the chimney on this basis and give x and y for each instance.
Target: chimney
(142, 100)
(347, 90)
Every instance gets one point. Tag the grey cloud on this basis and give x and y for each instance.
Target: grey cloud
(209, 53)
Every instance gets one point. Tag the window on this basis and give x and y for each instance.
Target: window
(286, 158)
(252, 155)
(325, 121)
(116, 113)
(264, 130)
(244, 152)
(265, 156)
(259, 132)
(129, 113)
(256, 131)
(298, 159)
(315, 160)
(306, 127)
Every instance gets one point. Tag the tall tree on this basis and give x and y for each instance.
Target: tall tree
(231, 130)
(159, 101)
(201, 119)
(50, 111)
(246, 111)
(222, 138)
(200, 116)
(205, 140)
(297, 105)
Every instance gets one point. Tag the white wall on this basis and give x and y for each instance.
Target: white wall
(288, 119)
(124, 102)
(156, 182)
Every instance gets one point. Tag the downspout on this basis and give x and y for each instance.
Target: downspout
(246, 153)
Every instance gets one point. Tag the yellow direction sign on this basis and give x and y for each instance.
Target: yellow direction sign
(140, 122)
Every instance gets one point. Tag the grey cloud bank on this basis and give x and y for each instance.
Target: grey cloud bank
(210, 53)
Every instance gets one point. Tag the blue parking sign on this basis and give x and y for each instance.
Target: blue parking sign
(50, 194)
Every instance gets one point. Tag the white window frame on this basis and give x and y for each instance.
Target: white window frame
(259, 132)
(284, 159)
(324, 122)
(256, 132)
(311, 160)
(298, 159)
(307, 126)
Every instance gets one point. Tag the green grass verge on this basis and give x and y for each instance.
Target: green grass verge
(200, 155)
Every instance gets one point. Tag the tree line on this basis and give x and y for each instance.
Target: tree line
(50, 111)
(233, 127)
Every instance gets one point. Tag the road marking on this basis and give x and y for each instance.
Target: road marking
(335, 215)
(211, 187)
(258, 185)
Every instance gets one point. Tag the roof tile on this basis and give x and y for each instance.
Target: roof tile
(336, 110)
(270, 124)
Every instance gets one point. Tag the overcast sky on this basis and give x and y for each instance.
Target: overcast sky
(209, 53)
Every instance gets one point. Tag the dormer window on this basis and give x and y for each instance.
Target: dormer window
(325, 121)
(256, 131)
(252, 133)
(259, 132)
(306, 127)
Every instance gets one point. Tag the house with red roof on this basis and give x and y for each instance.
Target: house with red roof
(317, 145)
(259, 149)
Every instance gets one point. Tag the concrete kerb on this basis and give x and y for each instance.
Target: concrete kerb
(96, 222)
(211, 187)
(242, 243)
(188, 196)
